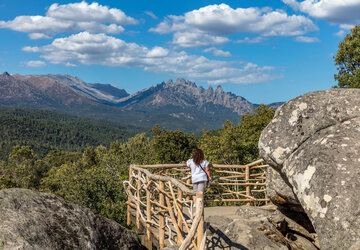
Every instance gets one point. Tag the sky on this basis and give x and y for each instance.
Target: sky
(266, 51)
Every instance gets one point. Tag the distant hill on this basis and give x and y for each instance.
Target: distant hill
(104, 93)
(45, 131)
(174, 105)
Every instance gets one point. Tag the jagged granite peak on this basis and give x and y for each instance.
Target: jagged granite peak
(219, 89)
(184, 94)
(182, 81)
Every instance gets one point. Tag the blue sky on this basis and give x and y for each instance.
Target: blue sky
(265, 51)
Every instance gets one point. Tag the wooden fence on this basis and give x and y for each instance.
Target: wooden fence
(160, 199)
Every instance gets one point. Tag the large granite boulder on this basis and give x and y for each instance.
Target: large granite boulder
(314, 141)
(32, 220)
(280, 192)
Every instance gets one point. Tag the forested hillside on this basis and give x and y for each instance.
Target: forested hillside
(44, 131)
(93, 177)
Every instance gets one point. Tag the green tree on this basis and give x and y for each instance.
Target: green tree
(138, 150)
(250, 128)
(347, 60)
(24, 169)
(94, 181)
(237, 144)
(172, 146)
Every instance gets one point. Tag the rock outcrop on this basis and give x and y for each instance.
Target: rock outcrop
(244, 227)
(32, 220)
(314, 142)
(280, 192)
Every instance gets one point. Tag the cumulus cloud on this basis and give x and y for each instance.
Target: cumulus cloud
(220, 20)
(71, 17)
(157, 52)
(34, 64)
(335, 11)
(307, 39)
(84, 12)
(101, 49)
(217, 52)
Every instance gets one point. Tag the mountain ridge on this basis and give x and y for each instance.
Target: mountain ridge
(174, 105)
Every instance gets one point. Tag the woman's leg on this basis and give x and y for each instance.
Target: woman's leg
(199, 186)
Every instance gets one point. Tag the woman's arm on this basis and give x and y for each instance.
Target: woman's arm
(208, 171)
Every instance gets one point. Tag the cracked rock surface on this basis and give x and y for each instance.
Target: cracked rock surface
(314, 142)
(32, 220)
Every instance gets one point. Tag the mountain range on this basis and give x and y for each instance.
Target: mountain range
(174, 105)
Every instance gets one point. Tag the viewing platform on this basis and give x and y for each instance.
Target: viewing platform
(160, 200)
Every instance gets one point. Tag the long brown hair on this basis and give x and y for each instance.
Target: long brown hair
(198, 156)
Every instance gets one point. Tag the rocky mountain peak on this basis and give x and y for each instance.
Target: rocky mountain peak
(219, 89)
(5, 75)
(182, 81)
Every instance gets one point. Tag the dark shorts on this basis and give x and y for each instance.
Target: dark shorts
(200, 186)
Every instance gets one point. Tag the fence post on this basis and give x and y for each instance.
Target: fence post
(188, 182)
(200, 229)
(138, 189)
(148, 208)
(180, 222)
(128, 220)
(161, 216)
(247, 178)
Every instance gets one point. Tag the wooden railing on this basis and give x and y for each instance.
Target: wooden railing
(160, 199)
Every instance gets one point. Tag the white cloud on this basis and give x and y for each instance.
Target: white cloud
(335, 11)
(307, 39)
(71, 18)
(34, 64)
(216, 20)
(100, 49)
(197, 39)
(152, 15)
(340, 33)
(35, 36)
(217, 52)
(70, 64)
(84, 12)
(31, 49)
(347, 26)
(157, 52)
(250, 40)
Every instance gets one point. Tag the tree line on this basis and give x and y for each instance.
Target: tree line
(44, 131)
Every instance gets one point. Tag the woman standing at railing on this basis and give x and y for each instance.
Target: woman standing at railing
(200, 171)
